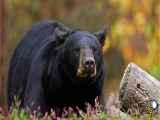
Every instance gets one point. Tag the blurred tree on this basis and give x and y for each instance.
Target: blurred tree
(2, 44)
(45, 9)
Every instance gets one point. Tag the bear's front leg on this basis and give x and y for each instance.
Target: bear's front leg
(34, 99)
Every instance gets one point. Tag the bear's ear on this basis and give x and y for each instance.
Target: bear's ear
(62, 33)
(101, 35)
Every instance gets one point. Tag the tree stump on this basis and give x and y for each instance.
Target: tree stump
(139, 92)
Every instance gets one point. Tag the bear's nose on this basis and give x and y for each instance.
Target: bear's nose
(89, 63)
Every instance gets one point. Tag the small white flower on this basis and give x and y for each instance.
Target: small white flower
(154, 104)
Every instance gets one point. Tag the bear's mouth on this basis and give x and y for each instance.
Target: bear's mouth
(83, 73)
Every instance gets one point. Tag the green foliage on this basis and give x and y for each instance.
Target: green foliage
(18, 114)
(155, 71)
(92, 113)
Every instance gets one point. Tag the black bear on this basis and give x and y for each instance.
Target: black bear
(55, 66)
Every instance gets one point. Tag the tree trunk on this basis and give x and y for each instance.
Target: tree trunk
(2, 41)
(45, 9)
(139, 92)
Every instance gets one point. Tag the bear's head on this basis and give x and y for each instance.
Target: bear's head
(83, 57)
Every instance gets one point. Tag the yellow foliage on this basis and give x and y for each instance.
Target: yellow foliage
(106, 45)
(126, 5)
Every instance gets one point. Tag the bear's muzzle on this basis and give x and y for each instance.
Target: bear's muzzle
(87, 64)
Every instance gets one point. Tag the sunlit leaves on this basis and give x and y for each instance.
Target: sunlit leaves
(134, 24)
(137, 26)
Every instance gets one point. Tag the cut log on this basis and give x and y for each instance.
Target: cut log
(139, 92)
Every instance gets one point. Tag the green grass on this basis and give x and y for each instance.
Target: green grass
(18, 114)
(22, 115)
(92, 113)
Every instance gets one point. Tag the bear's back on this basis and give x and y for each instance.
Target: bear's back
(24, 54)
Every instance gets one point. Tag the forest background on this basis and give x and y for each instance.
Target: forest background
(133, 31)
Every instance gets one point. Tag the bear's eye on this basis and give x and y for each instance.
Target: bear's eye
(94, 49)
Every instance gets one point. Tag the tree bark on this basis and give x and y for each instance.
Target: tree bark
(45, 9)
(2, 43)
(139, 92)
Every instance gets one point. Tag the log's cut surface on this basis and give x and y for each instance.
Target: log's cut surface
(139, 92)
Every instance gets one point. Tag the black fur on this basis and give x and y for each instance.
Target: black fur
(43, 68)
